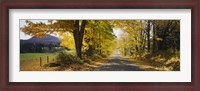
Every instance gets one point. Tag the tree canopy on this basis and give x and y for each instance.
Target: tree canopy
(81, 35)
(89, 37)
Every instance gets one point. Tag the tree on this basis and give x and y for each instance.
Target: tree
(78, 36)
(168, 34)
(94, 35)
(73, 26)
(154, 48)
(99, 37)
(148, 34)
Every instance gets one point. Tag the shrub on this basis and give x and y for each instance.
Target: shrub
(52, 65)
(173, 63)
(104, 55)
(87, 61)
(79, 61)
(95, 57)
(65, 58)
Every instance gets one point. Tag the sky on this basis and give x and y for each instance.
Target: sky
(24, 36)
(118, 32)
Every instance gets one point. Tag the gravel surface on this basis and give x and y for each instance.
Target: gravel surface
(117, 63)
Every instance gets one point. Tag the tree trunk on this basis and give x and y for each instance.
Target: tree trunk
(148, 35)
(136, 46)
(154, 38)
(144, 42)
(124, 51)
(99, 45)
(78, 36)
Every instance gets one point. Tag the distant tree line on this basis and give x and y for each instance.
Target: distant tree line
(40, 48)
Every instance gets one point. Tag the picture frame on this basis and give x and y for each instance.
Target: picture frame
(113, 4)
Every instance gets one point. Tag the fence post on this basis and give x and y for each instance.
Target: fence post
(47, 59)
(40, 61)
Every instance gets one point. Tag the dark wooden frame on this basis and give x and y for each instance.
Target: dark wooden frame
(99, 4)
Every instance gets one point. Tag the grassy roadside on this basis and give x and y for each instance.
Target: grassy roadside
(77, 66)
(33, 66)
(147, 66)
(161, 61)
(31, 62)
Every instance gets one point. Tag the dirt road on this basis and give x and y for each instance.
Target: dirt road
(118, 63)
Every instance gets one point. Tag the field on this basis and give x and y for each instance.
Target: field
(30, 61)
(36, 56)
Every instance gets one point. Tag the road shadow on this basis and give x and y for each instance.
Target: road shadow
(117, 63)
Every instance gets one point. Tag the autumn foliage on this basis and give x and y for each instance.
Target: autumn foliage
(156, 42)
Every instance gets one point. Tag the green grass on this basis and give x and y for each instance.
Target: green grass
(31, 61)
(36, 56)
